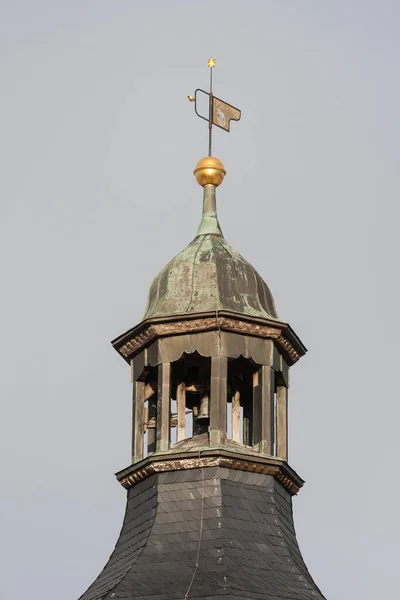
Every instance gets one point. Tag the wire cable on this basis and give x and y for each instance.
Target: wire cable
(196, 564)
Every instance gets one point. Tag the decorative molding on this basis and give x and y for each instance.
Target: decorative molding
(186, 326)
(137, 342)
(159, 464)
(287, 482)
(254, 329)
(288, 348)
(150, 332)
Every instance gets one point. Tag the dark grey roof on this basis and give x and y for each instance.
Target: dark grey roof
(207, 276)
(248, 546)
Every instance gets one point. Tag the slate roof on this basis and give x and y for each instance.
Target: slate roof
(248, 546)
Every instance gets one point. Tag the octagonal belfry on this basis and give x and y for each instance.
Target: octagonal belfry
(209, 511)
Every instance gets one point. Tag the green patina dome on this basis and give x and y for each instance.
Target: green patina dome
(208, 276)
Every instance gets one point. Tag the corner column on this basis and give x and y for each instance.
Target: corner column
(266, 394)
(282, 422)
(218, 400)
(137, 420)
(163, 406)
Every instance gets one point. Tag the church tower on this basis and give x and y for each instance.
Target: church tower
(209, 490)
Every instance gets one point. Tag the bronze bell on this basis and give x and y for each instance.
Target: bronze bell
(204, 409)
(202, 418)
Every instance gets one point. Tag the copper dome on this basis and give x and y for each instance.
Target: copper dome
(209, 275)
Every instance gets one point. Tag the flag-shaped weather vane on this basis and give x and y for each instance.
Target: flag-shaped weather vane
(220, 113)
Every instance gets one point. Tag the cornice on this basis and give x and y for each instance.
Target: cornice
(134, 340)
(161, 463)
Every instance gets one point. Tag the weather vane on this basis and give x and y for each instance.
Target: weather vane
(219, 112)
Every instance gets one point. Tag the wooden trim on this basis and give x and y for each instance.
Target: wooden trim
(236, 417)
(181, 408)
(195, 387)
(149, 390)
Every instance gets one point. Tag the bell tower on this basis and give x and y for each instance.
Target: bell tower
(209, 487)
(210, 361)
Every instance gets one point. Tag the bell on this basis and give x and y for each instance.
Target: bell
(204, 412)
(202, 419)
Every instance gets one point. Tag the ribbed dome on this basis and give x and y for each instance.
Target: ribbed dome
(209, 275)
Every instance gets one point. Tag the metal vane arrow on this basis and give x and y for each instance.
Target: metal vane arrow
(220, 113)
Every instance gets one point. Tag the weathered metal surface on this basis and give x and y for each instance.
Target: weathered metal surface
(237, 526)
(207, 276)
(209, 222)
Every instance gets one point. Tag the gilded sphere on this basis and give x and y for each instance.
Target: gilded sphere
(209, 171)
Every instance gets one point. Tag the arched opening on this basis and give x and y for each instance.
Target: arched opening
(190, 397)
(149, 378)
(240, 407)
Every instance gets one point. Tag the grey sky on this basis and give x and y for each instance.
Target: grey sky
(97, 147)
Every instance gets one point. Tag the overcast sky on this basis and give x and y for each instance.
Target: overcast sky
(97, 148)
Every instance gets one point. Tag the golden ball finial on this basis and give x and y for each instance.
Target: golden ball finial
(209, 171)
